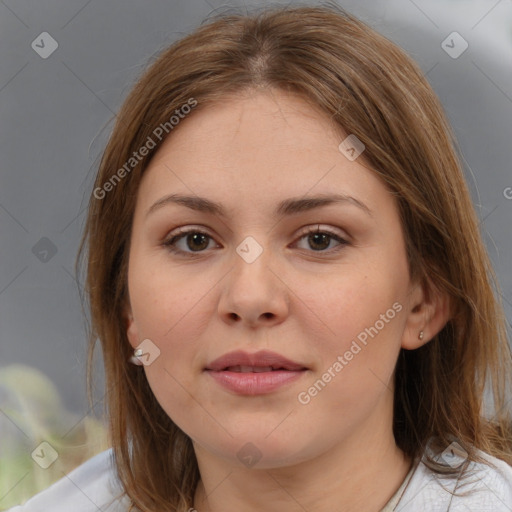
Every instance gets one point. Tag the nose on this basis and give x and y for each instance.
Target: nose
(254, 293)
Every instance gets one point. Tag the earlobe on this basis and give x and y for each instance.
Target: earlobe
(429, 314)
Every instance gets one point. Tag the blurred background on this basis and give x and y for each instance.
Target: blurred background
(66, 67)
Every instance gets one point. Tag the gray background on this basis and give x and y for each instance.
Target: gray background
(56, 115)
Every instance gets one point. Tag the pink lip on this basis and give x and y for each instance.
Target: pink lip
(254, 383)
(261, 358)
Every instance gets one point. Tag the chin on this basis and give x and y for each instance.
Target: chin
(259, 450)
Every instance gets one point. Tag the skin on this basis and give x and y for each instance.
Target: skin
(248, 153)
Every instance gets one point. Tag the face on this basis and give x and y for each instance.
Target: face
(277, 265)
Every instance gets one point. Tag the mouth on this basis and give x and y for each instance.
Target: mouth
(254, 374)
(253, 369)
(258, 362)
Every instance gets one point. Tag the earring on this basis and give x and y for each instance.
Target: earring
(135, 358)
(420, 335)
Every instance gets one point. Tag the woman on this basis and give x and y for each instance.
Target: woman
(285, 272)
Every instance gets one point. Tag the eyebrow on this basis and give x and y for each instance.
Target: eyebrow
(289, 206)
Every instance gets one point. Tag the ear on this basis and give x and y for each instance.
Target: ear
(429, 311)
(132, 331)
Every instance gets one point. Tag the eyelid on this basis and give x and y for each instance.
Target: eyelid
(343, 239)
(182, 232)
(322, 229)
(303, 231)
(188, 229)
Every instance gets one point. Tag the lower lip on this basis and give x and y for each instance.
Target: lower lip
(255, 383)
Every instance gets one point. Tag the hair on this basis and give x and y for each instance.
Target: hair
(370, 88)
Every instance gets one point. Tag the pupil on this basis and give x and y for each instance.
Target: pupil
(319, 238)
(198, 237)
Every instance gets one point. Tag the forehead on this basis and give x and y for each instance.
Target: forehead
(264, 121)
(256, 146)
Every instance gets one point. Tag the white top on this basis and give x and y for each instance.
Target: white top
(94, 486)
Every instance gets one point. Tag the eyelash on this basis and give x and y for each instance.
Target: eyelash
(170, 243)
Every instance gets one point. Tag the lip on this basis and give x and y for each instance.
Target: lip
(261, 358)
(254, 383)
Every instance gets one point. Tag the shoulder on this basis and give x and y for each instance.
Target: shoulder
(486, 487)
(90, 487)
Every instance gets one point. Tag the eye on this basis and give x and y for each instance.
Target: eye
(193, 239)
(319, 240)
(196, 241)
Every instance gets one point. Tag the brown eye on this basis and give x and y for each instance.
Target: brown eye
(194, 242)
(197, 241)
(319, 241)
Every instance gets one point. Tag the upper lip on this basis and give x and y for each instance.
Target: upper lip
(261, 358)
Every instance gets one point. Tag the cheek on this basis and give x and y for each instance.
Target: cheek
(363, 314)
(166, 303)
(172, 309)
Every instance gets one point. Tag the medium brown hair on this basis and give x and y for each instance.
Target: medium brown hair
(372, 89)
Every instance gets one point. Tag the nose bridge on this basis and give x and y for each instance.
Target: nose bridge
(251, 266)
(253, 291)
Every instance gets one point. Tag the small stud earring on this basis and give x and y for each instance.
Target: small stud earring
(135, 358)
(420, 335)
